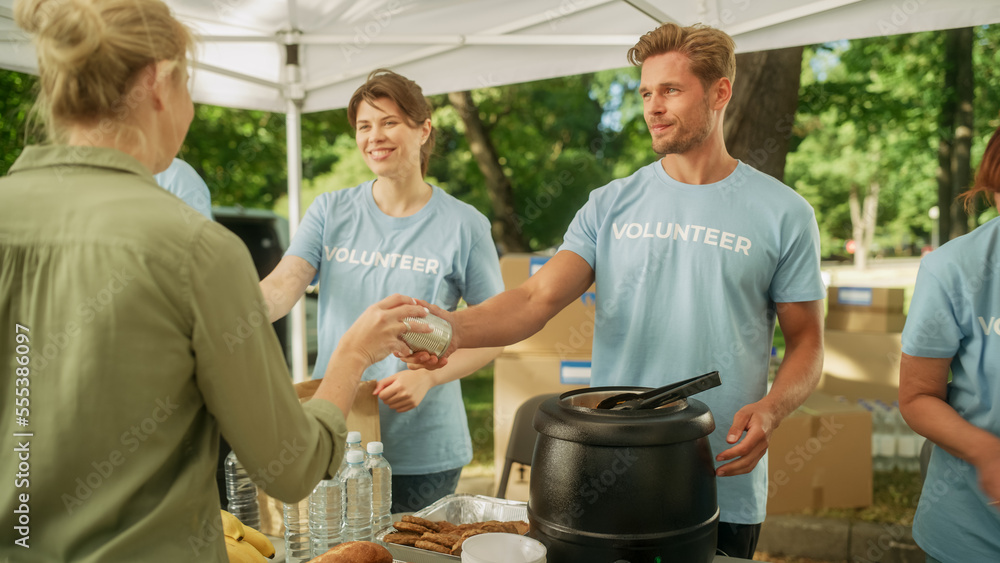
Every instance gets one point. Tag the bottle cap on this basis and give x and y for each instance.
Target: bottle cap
(375, 447)
(355, 456)
(354, 437)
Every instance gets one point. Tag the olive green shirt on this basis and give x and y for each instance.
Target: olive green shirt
(145, 335)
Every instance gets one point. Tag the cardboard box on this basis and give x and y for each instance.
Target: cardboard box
(854, 390)
(870, 357)
(865, 309)
(865, 321)
(889, 299)
(362, 418)
(569, 334)
(820, 457)
(517, 378)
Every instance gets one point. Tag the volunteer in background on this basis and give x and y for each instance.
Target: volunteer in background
(396, 233)
(694, 256)
(954, 325)
(132, 330)
(181, 180)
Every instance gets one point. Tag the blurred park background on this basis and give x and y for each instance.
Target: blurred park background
(874, 133)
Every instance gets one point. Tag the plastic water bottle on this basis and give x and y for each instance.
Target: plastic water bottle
(907, 443)
(298, 547)
(381, 473)
(884, 433)
(326, 515)
(241, 493)
(353, 444)
(875, 438)
(772, 366)
(357, 499)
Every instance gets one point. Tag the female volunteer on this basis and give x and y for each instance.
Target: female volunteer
(119, 316)
(953, 325)
(396, 233)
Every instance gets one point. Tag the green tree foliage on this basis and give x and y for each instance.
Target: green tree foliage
(556, 139)
(551, 141)
(16, 96)
(868, 114)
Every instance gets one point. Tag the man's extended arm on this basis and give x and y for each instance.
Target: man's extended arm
(518, 313)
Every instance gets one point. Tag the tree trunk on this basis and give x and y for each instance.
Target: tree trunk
(864, 217)
(759, 119)
(955, 146)
(964, 115)
(506, 232)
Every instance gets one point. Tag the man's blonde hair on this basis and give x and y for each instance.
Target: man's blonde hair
(711, 52)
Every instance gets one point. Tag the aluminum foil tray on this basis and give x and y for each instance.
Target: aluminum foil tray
(457, 509)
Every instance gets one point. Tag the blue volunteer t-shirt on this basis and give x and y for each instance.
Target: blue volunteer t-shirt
(442, 253)
(687, 281)
(181, 180)
(955, 313)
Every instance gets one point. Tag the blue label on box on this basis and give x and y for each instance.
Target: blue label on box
(535, 263)
(855, 296)
(589, 298)
(574, 373)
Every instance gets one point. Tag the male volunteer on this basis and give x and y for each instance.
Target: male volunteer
(694, 256)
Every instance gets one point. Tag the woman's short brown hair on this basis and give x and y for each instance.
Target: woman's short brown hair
(91, 51)
(407, 94)
(988, 177)
(712, 52)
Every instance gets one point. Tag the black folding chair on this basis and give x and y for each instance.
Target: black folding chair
(522, 438)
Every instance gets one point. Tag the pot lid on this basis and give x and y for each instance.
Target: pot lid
(573, 416)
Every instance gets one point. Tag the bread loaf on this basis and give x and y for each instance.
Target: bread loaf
(355, 552)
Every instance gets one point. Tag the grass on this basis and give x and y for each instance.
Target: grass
(477, 393)
(894, 500)
(894, 497)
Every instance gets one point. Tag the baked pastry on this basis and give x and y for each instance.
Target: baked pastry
(431, 546)
(429, 524)
(401, 538)
(355, 552)
(443, 536)
(405, 526)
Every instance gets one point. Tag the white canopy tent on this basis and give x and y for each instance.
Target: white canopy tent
(297, 56)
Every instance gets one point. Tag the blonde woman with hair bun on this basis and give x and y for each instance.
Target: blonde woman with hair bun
(132, 328)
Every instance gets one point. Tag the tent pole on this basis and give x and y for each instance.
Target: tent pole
(294, 94)
(293, 130)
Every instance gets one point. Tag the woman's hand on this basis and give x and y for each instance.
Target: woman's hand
(376, 333)
(403, 391)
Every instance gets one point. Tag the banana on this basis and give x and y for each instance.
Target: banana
(242, 552)
(259, 541)
(232, 527)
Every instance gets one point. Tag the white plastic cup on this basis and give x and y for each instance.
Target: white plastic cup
(502, 548)
(435, 342)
